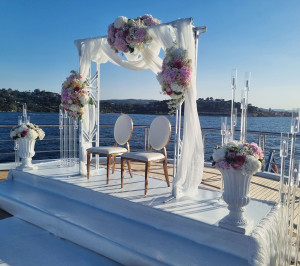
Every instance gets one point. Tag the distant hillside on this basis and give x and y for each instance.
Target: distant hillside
(42, 101)
(130, 101)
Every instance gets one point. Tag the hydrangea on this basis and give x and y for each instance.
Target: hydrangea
(246, 157)
(219, 154)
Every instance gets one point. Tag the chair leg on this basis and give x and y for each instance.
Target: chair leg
(108, 167)
(129, 168)
(88, 164)
(122, 172)
(147, 169)
(114, 165)
(166, 172)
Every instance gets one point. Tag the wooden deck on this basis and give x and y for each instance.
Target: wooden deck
(260, 188)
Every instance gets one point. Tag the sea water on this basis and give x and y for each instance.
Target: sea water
(212, 138)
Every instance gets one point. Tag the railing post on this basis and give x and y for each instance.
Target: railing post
(203, 139)
(146, 138)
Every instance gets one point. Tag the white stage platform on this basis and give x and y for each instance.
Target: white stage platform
(24, 244)
(128, 227)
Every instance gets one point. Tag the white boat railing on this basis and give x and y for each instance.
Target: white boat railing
(268, 141)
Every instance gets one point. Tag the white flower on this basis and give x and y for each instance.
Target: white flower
(74, 108)
(219, 154)
(177, 88)
(251, 165)
(32, 134)
(41, 134)
(23, 127)
(119, 21)
(84, 99)
(179, 52)
(13, 133)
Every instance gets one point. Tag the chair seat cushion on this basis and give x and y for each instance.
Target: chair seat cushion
(143, 156)
(107, 150)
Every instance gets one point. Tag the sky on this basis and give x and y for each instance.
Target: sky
(37, 48)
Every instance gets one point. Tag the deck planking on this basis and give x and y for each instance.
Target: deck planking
(260, 188)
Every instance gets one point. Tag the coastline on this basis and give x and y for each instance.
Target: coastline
(272, 114)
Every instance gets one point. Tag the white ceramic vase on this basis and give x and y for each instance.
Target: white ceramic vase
(236, 195)
(26, 152)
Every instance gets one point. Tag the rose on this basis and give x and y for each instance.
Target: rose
(24, 132)
(169, 91)
(238, 162)
(177, 63)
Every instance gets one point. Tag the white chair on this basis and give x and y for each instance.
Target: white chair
(122, 133)
(159, 137)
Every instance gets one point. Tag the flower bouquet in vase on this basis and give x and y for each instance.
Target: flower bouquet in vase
(237, 162)
(25, 136)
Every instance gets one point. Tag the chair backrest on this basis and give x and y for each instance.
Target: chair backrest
(123, 129)
(160, 132)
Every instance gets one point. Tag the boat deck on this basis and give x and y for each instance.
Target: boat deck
(260, 188)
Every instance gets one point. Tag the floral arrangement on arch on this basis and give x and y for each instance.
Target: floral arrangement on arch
(176, 74)
(28, 131)
(247, 157)
(74, 95)
(128, 35)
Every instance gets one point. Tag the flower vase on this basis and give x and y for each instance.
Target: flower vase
(236, 195)
(26, 152)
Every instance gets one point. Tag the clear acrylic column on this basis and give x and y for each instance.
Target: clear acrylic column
(223, 128)
(287, 243)
(233, 109)
(244, 107)
(68, 127)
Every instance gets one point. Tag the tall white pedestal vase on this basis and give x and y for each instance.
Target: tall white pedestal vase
(25, 135)
(26, 152)
(236, 195)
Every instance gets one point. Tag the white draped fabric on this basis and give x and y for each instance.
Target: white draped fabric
(190, 167)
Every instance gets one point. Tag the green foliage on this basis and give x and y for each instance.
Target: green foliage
(43, 101)
(37, 101)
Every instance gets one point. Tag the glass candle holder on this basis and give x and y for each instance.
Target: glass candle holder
(284, 145)
(295, 121)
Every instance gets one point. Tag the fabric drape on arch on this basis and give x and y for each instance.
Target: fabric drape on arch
(191, 161)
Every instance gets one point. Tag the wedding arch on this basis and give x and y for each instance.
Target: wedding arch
(189, 154)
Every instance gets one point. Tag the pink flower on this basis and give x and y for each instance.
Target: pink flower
(120, 44)
(169, 76)
(65, 95)
(222, 164)
(238, 162)
(148, 20)
(110, 30)
(119, 34)
(169, 91)
(178, 63)
(77, 88)
(140, 34)
(257, 152)
(128, 39)
(185, 74)
(24, 133)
